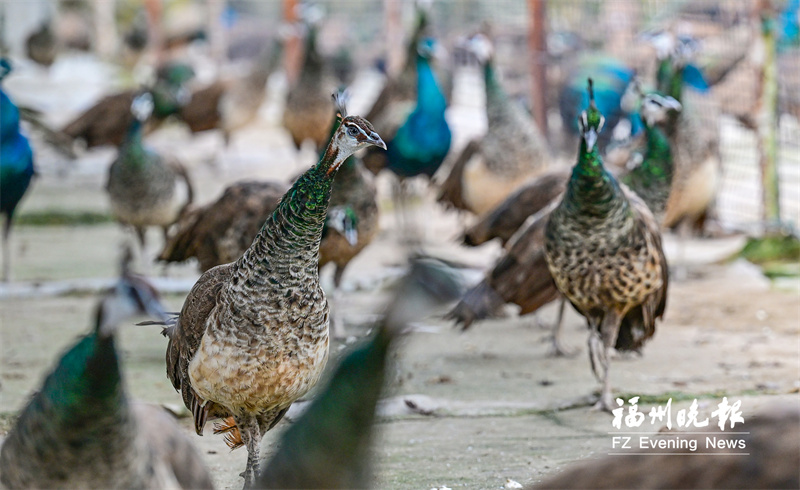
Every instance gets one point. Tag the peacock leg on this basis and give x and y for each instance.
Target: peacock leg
(251, 436)
(558, 347)
(6, 249)
(609, 328)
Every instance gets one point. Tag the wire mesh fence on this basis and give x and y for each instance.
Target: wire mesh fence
(730, 53)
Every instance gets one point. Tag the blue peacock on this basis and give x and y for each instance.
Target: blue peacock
(611, 78)
(422, 142)
(16, 165)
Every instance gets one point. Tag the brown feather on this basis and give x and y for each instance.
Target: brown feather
(202, 112)
(507, 218)
(450, 191)
(219, 232)
(233, 437)
(521, 276)
(105, 123)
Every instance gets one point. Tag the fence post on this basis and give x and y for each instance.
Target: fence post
(537, 43)
(768, 120)
(292, 47)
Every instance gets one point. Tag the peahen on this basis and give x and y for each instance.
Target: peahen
(694, 136)
(522, 276)
(81, 430)
(329, 446)
(252, 336)
(603, 249)
(512, 151)
(611, 78)
(307, 115)
(16, 166)
(108, 120)
(142, 185)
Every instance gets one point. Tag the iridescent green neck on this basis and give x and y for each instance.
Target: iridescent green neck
(652, 179)
(495, 95)
(591, 189)
(289, 239)
(85, 384)
(669, 81)
(132, 149)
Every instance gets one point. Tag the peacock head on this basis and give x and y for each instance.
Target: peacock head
(428, 48)
(142, 106)
(481, 47)
(684, 50)
(171, 79)
(131, 296)
(354, 133)
(655, 108)
(591, 120)
(343, 219)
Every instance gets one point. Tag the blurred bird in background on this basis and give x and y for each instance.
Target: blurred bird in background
(16, 165)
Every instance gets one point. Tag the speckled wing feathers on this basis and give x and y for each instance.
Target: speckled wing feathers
(185, 335)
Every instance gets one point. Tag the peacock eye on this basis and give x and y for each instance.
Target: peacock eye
(352, 131)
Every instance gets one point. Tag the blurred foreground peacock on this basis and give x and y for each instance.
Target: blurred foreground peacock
(81, 430)
(329, 446)
(252, 336)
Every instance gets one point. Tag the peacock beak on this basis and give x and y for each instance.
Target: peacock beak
(590, 136)
(376, 140)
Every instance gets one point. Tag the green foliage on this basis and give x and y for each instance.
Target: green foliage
(772, 248)
(57, 217)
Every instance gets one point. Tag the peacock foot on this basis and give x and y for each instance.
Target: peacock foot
(558, 349)
(605, 403)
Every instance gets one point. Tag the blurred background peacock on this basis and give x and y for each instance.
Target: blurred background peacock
(16, 166)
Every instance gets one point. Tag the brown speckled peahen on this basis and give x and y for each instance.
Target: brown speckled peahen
(81, 430)
(521, 276)
(252, 336)
(142, 185)
(603, 249)
(512, 151)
